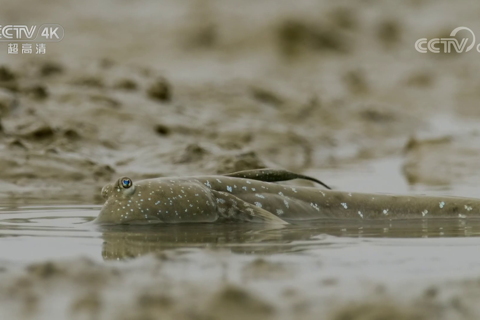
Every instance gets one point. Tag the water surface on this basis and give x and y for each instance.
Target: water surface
(31, 233)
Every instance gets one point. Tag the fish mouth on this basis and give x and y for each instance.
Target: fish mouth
(103, 218)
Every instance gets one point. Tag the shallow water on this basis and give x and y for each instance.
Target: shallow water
(31, 233)
(345, 259)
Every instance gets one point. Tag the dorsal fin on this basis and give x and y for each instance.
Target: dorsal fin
(273, 175)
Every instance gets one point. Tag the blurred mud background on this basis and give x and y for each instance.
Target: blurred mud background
(163, 88)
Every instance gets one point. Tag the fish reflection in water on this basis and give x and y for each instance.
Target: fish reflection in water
(126, 242)
(134, 241)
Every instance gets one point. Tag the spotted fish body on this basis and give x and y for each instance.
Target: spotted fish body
(208, 199)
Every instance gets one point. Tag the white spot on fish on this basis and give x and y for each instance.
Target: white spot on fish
(468, 208)
(229, 188)
(424, 213)
(259, 196)
(279, 212)
(244, 188)
(314, 205)
(360, 214)
(441, 204)
(248, 181)
(219, 200)
(349, 194)
(219, 181)
(258, 204)
(208, 184)
(344, 204)
(286, 203)
(385, 211)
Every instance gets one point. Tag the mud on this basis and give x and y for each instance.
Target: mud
(151, 288)
(168, 88)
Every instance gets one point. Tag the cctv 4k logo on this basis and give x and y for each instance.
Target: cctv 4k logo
(49, 32)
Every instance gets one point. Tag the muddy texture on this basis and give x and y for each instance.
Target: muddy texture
(325, 84)
(172, 88)
(443, 160)
(151, 288)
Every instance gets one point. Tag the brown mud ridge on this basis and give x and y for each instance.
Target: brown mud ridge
(212, 92)
(202, 87)
(61, 125)
(89, 124)
(83, 289)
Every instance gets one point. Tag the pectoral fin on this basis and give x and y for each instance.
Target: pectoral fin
(231, 207)
(272, 175)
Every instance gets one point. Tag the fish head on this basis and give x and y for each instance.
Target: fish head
(160, 200)
(120, 206)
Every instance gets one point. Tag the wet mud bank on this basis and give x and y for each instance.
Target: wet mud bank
(168, 286)
(335, 90)
(317, 87)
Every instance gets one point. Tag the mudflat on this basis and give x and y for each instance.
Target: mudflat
(166, 88)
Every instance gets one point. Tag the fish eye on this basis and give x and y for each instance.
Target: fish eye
(126, 183)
